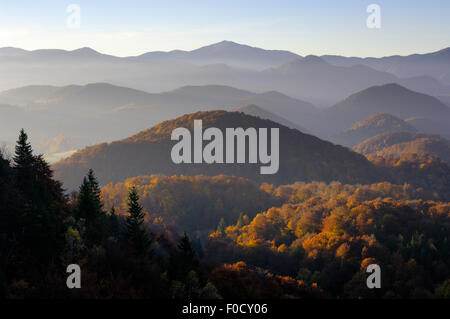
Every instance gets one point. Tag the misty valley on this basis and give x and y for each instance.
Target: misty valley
(227, 171)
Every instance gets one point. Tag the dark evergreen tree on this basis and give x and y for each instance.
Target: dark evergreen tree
(41, 236)
(188, 257)
(11, 222)
(89, 208)
(137, 235)
(95, 189)
(114, 225)
(23, 156)
(23, 162)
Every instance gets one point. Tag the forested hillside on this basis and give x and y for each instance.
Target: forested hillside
(302, 157)
(218, 236)
(380, 123)
(401, 144)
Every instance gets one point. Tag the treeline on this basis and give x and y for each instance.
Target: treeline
(322, 235)
(198, 204)
(32, 213)
(195, 204)
(42, 232)
(421, 170)
(221, 236)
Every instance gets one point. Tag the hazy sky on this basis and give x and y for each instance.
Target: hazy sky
(131, 27)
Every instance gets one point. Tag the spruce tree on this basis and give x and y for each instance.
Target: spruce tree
(23, 163)
(137, 236)
(85, 202)
(23, 156)
(114, 225)
(90, 208)
(90, 204)
(95, 190)
(187, 254)
(44, 202)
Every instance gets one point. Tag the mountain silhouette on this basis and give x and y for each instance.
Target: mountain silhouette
(103, 112)
(225, 63)
(402, 144)
(430, 126)
(389, 98)
(302, 157)
(434, 64)
(254, 110)
(373, 125)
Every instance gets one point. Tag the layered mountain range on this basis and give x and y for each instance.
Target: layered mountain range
(301, 156)
(230, 64)
(66, 100)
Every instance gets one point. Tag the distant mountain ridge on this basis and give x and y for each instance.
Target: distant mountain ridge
(312, 76)
(376, 124)
(430, 126)
(401, 144)
(302, 156)
(113, 112)
(225, 63)
(389, 98)
(103, 112)
(227, 52)
(435, 64)
(254, 110)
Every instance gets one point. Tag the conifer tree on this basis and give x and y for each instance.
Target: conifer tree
(114, 226)
(23, 156)
(85, 202)
(95, 189)
(23, 162)
(137, 236)
(187, 253)
(90, 204)
(44, 202)
(89, 207)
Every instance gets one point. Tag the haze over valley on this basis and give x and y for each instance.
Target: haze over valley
(72, 99)
(306, 156)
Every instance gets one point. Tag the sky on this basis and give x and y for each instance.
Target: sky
(133, 27)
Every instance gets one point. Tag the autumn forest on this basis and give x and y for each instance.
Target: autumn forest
(216, 236)
(146, 158)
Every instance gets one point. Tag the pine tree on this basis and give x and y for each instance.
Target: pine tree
(23, 163)
(90, 208)
(137, 236)
(86, 208)
(23, 156)
(90, 204)
(95, 189)
(44, 202)
(114, 226)
(187, 254)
